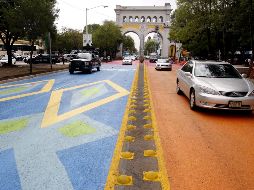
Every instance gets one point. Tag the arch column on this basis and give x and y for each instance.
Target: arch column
(142, 44)
(165, 43)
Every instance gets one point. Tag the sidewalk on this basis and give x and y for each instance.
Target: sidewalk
(21, 69)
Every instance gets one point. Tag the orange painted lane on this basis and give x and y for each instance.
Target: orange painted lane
(203, 149)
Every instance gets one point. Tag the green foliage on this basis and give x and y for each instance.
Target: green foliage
(25, 18)
(128, 44)
(207, 26)
(68, 40)
(150, 46)
(108, 37)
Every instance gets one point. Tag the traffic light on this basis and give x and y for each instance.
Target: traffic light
(156, 28)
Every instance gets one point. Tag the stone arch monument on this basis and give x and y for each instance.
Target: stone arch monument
(143, 20)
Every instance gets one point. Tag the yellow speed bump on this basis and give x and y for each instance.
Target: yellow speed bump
(147, 126)
(146, 105)
(148, 137)
(129, 139)
(151, 176)
(147, 110)
(132, 111)
(150, 153)
(133, 101)
(133, 106)
(132, 118)
(147, 117)
(127, 155)
(124, 180)
(146, 101)
(131, 127)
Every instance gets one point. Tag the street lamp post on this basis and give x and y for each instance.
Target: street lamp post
(87, 9)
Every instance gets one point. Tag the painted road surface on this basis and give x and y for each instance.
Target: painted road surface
(59, 131)
(204, 149)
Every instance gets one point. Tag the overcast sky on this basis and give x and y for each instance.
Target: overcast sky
(73, 15)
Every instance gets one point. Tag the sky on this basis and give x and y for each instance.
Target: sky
(73, 13)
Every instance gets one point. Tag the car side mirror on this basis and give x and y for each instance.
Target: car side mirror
(244, 75)
(188, 74)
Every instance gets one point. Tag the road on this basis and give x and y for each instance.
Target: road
(204, 149)
(59, 131)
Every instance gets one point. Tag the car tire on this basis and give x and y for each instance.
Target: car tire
(178, 90)
(98, 68)
(170, 69)
(90, 71)
(192, 100)
(71, 71)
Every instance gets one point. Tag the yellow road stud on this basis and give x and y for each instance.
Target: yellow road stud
(132, 118)
(148, 137)
(129, 139)
(124, 180)
(127, 155)
(147, 117)
(147, 110)
(151, 176)
(148, 126)
(150, 153)
(131, 127)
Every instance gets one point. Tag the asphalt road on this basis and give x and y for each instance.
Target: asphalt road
(203, 150)
(59, 131)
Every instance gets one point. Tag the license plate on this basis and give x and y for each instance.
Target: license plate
(234, 104)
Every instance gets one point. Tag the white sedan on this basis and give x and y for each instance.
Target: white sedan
(215, 85)
(163, 64)
(127, 61)
(4, 60)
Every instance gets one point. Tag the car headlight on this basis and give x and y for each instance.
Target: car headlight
(207, 90)
(252, 93)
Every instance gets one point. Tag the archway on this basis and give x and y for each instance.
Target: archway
(136, 40)
(145, 19)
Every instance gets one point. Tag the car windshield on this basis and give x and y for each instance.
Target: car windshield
(87, 56)
(216, 71)
(128, 58)
(162, 61)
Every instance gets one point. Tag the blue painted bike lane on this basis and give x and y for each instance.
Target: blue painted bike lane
(82, 115)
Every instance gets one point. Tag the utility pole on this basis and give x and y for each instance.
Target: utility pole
(251, 40)
(50, 56)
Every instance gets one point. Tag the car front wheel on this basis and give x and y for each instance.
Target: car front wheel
(71, 71)
(193, 100)
(178, 90)
(98, 68)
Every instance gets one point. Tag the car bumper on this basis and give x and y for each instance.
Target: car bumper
(163, 67)
(127, 63)
(222, 102)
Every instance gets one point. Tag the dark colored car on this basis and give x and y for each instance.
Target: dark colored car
(85, 62)
(153, 58)
(44, 58)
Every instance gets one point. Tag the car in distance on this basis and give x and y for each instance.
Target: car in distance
(163, 63)
(216, 85)
(127, 60)
(4, 60)
(85, 62)
(153, 58)
(43, 58)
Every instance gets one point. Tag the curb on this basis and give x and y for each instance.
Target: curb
(31, 76)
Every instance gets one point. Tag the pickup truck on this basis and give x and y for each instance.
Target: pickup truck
(85, 62)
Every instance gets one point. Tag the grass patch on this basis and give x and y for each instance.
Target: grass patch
(77, 128)
(10, 126)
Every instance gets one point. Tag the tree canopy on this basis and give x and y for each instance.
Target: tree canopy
(25, 19)
(129, 44)
(207, 26)
(150, 46)
(108, 37)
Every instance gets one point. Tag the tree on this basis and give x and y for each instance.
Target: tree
(10, 24)
(207, 26)
(108, 37)
(150, 46)
(128, 44)
(37, 23)
(68, 40)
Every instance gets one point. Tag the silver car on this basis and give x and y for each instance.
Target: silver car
(216, 85)
(163, 64)
(127, 61)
